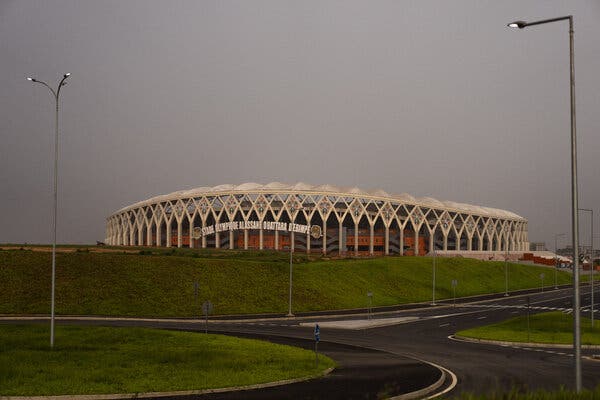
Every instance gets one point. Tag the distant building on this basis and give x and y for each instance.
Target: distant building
(537, 246)
(567, 251)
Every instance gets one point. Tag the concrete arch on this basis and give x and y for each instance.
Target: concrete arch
(399, 220)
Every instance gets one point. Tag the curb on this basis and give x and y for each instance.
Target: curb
(150, 395)
(419, 394)
(522, 344)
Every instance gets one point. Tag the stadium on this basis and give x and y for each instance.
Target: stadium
(317, 219)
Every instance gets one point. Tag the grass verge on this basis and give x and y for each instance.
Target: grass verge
(161, 284)
(93, 360)
(552, 327)
(561, 394)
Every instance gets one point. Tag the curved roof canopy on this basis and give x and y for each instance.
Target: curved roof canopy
(343, 191)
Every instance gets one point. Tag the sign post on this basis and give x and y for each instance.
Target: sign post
(196, 290)
(317, 338)
(527, 319)
(454, 283)
(542, 278)
(206, 309)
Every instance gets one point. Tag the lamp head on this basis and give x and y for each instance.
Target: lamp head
(518, 24)
(30, 79)
(67, 75)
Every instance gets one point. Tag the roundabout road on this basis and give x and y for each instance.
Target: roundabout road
(378, 361)
(481, 368)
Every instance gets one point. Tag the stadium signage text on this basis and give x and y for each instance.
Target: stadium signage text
(266, 225)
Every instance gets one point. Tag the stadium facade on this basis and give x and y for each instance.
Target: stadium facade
(324, 219)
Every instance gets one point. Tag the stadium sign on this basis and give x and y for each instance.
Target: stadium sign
(265, 225)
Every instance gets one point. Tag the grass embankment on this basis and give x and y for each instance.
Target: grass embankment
(238, 282)
(552, 327)
(537, 395)
(88, 360)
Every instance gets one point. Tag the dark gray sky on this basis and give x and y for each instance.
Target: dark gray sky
(432, 98)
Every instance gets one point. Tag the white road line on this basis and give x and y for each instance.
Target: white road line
(449, 388)
(442, 325)
(484, 317)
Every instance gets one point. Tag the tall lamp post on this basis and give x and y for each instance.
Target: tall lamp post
(574, 206)
(294, 207)
(507, 230)
(556, 236)
(433, 278)
(56, 94)
(591, 260)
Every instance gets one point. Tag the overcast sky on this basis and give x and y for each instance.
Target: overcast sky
(431, 98)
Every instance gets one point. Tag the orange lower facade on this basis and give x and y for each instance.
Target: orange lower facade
(272, 240)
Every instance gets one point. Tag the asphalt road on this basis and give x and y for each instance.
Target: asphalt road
(383, 361)
(480, 368)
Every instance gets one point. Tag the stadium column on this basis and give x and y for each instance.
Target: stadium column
(179, 239)
(231, 245)
(149, 234)
(340, 236)
(191, 232)
(445, 240)
(371, 238)
(140, 236)
(469, 242)
(217, 240)
(416, 241)
(401, 243)
(324, 236)
(203, 236)
(276, 239)
(158, 238)
(260, 237)
(355, 238)
(169, 233)
(431, 241)
(387, 240)
(245, 239)
(307, 239)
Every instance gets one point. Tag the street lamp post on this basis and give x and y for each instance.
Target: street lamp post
(574, 200)
(294, 209)
(56, 94)
(556, 236)
(506, 265)
(591, 260)
(433, 278)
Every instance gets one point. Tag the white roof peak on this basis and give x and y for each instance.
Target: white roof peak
(305, 187)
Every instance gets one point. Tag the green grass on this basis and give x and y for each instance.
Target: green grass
(89, 360)
(238, 282)
(561, 394)
(552, 327)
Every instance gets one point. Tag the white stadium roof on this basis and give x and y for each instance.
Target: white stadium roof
(277, 187)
